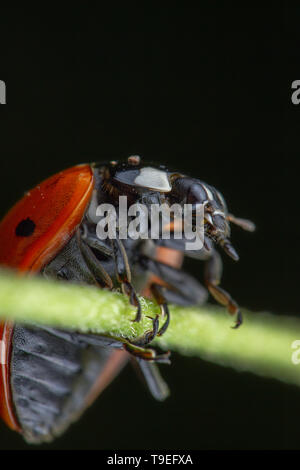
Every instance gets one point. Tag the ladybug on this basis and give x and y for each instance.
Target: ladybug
(48, 377)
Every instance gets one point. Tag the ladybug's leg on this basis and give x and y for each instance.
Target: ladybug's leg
(150, 373)
(181, 288)
(213, 272)
(146, 354)
(122, 269)
(123, 273)
(70, 264)
(86, 241)
(94, 242)
(94, 265)
(157, 292)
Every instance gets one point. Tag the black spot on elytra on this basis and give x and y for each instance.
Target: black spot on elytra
(25, 228)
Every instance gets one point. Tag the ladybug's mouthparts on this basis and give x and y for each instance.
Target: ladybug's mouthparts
(227, 247)
(218, 237)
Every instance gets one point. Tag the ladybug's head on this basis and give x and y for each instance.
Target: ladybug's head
(216, 217)
(137, 179)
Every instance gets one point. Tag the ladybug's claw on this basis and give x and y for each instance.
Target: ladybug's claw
(166, 324)
(128, 290)
(157, 293)
(138, 312)
(150, 335)
(239, 320)
(147, 354)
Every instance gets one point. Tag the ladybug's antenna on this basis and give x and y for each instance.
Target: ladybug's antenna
(243, 223)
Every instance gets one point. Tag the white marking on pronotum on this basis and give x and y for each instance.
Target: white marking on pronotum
(152, 178)
(2, 352)
(208, 192)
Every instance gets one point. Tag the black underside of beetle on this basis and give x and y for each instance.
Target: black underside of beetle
(52, 373)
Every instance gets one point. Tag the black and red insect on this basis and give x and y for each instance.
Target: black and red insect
(49, 376)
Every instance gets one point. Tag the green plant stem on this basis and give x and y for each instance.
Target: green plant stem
(262, 345)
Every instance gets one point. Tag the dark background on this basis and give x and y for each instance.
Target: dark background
(206, 90)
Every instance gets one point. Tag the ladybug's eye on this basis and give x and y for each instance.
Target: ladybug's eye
(25, 228)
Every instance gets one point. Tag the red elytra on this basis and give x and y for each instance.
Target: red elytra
(56, 206)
